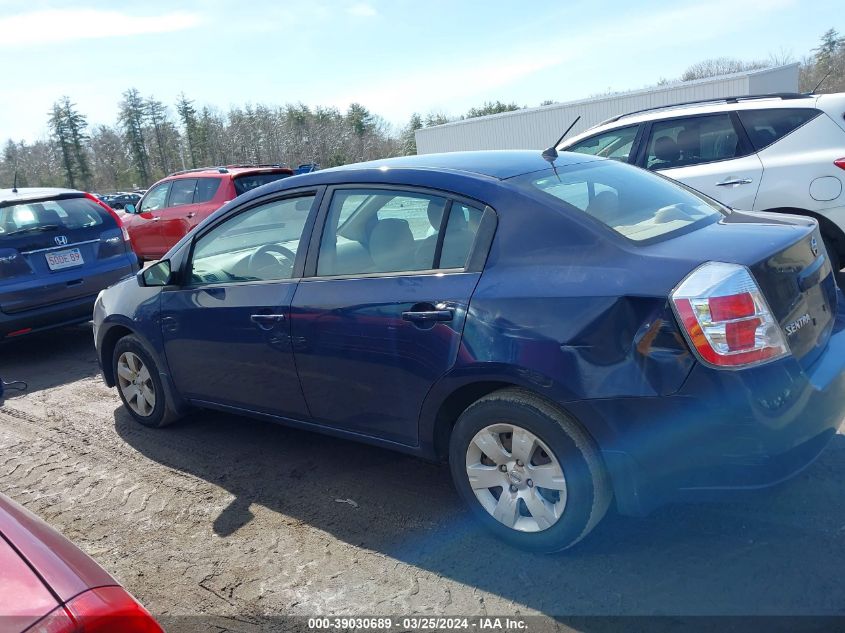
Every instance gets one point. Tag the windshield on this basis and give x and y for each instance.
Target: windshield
(634, 203)
(49, 215)
(251, 181)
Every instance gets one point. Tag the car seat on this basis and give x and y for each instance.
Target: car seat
(667, 152)
(689, 144)
(392, 245)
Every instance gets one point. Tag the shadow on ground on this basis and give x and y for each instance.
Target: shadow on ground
(776, 552)
(69, 354)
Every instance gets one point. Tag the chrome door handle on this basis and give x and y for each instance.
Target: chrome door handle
(423, 316)
(156, 218)
(266, 321)
(734, 181)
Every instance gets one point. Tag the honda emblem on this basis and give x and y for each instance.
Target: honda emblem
(61, 240)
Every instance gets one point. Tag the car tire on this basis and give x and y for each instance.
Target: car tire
(139, 384)
(564, 516)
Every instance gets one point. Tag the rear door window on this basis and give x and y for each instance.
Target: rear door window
(614, 144)
(692, 141)
(182, 192)
(371, 231)
(206, 189)
(764, 127)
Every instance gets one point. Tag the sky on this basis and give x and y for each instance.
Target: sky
(396, 57)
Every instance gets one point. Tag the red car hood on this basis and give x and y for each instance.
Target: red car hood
(65, 569)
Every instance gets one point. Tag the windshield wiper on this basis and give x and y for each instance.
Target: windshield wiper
(33, 229)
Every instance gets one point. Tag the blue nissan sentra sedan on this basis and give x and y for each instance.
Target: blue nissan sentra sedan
(58, 249)
(565, 335)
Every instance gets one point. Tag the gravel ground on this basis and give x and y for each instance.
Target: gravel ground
(235, 518)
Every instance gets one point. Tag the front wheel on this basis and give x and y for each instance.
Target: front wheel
(528, 471)
(139, 384)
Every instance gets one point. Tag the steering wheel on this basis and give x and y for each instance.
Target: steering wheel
(264, 258)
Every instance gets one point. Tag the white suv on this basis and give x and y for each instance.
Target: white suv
(782, 153)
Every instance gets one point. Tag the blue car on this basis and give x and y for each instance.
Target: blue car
(58, 249)
(564, 333)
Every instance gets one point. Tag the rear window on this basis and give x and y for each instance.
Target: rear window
(251, 181)
(764, 127)
(634, 203)
(46, 215)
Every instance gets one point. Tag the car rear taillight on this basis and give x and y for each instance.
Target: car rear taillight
(726, 318)
(112, 213)
(102, 610)
(110, 609)
(840, 162)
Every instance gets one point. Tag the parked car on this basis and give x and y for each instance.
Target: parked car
(120, 200)
(176, 204)
(58, 249)
(51, 585)
(780, 153)
(562, 334)
(306, 168)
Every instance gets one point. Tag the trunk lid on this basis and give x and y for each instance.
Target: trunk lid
(787, 258)
(47, 246)
(62, 566)
(24, 599)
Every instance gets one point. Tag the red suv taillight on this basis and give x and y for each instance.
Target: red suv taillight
(840, 162)
(112, 213)
(102, 610)
(725, 317)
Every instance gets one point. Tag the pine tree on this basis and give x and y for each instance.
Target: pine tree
(827, 50)
(76, 124)
(131, 117)
(188, 116)
(61, 136)
(409, 138)
(156, 114)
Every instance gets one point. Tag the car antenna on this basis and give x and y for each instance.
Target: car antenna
(550, 153)
(819, 85)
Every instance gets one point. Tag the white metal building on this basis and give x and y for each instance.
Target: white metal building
(538, 128)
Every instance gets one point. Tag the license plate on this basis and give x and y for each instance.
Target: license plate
(64, 259)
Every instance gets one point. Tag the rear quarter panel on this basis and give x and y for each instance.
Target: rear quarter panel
(791, 164)
(564, 310)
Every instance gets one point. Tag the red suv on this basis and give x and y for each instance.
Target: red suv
(177, 203)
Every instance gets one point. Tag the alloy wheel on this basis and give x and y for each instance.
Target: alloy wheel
(136, 384)
(516, 477)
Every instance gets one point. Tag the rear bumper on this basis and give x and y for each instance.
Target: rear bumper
(76, 310)
(44, 318)
(725, 431)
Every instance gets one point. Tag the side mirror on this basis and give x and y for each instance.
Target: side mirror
(159, 274)
(130, 208)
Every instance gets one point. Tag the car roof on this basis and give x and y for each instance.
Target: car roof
(23, 194)
(687, 109)
(501, 164)
(229, 170)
